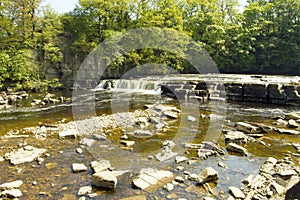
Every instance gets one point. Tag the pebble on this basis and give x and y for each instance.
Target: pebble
(179, 179)
(79, 150)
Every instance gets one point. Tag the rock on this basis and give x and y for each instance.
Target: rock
(159, 126)
(142, 133)
(287, 131)
(236, 192)
(238, 137)
(179, 179)
(149, 178)
(180, 159)
(169, 187)
(25, 154)
(171, 114)
(101, 165)
(268, 166)
(99, 137)
(13, 193)
(278, 188)
(87, 142)
(263, 127)
(104, 179)
(292, 124)
(11, 185)
(127, 143)
(72, 134)
(140, 197)
(84, 190)
(295, 116)
(50, 166)
(193, 177)
(247, 128)
(77, 167)
(237, 149)
(221, 164)
(79, 150)
(207, 175)
(165, 155)
(281, 122)
(191, 118)
(168, 144)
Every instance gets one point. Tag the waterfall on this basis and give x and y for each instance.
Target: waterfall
(130, 85)
(137, 85)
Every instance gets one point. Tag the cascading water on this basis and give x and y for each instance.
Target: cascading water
(137, 85)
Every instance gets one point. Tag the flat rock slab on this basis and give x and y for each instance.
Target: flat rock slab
(150, 179)
(11, 185)
(247, 128)
(287, 131)
(23, 155)
(105, 179)
(236, 192)
(237, 149)
(78, 167)
(101, 165)
(13, 193)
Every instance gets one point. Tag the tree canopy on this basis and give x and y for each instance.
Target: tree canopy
(262, 38)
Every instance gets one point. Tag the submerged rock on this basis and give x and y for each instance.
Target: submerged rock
(207, 175)
(25, 154)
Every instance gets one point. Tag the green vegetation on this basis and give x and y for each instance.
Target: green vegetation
(263, 38)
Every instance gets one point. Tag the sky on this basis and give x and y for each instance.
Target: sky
(62, 6)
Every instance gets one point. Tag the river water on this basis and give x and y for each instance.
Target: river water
(54, 178)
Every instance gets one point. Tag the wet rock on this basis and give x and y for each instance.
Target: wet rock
(278, 188)
(142, 133)
(13, 193)
(11, 185)
(165, 154)
(237, 137)
(193, 177)
(287, 131)
(136, 197)
(268, 166)
(127, 143)
(292, 124)
(168, 144)
(179, 179)
(206, 149)
(236, 192)
(100, 137)
(221, 164)
(72, 134)
(87, 142)
(159, 126)
(207, 175)
(79, 150)
(151, 178)
(294, 116)
(25, 154)
(50, 166)
(78, 167)
(281, 122)
(247, 128)
(101, 165)
(171, 114)
(169, 187)
(104, 179)
(263, 127)
(84, 190)
(180, 159)
(237, 149)
(191, 118)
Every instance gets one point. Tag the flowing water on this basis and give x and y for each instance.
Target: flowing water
(54, 178)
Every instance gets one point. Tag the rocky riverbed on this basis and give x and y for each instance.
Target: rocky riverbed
(132, 155)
